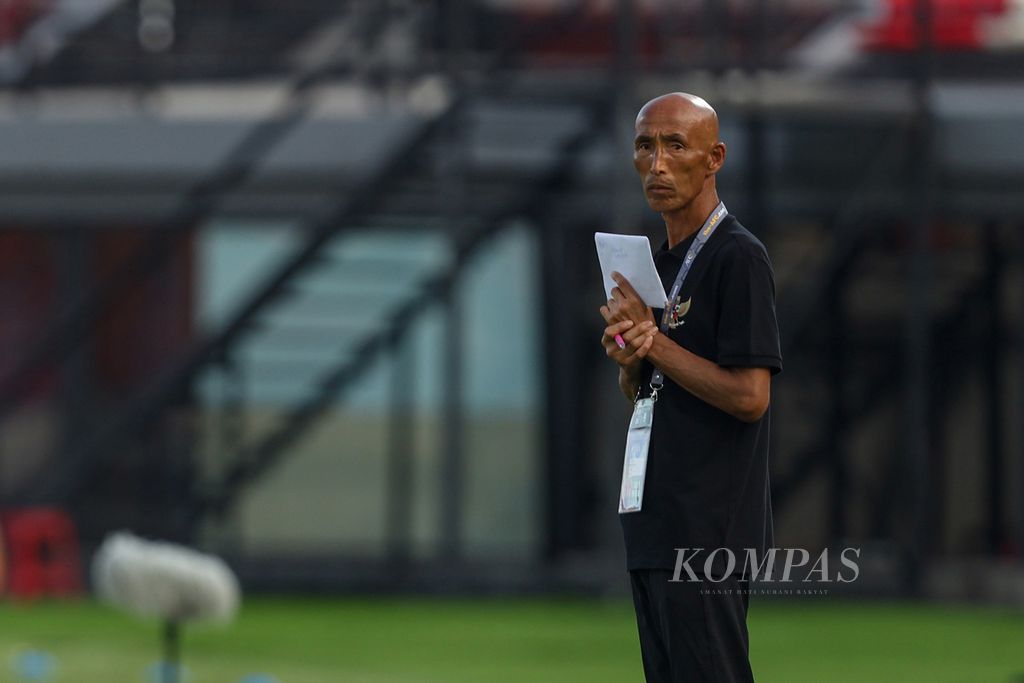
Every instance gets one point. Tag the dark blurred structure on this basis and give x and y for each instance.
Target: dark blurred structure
(345, 167)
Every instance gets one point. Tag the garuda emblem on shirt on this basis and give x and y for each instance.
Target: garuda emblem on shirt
(677, 311)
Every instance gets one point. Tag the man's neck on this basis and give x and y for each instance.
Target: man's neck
(687, 220)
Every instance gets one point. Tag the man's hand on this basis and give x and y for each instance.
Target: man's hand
(627, 315)
(637, 340)
(631, 319)
(625, 304)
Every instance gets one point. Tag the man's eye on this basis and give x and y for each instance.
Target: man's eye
(643, 147)
(677, 147)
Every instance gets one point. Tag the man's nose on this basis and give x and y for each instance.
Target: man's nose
(657, 161)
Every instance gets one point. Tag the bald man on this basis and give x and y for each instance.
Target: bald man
(699, 374)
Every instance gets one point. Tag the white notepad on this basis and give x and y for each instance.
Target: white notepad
(631, 256)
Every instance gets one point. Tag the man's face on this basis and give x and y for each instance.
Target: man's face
(672, 153)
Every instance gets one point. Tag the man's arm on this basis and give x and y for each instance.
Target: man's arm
(629, 382)
(744, 393)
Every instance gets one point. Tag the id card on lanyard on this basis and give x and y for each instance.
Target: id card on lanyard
(638, 438)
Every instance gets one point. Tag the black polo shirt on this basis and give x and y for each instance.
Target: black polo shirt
(707, 472)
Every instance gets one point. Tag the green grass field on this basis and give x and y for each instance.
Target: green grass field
(514, 641)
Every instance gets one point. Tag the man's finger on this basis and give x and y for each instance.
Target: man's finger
(617, 328)
(614, 312)
(639, 339)
(625, 287)
(637, 331)
(642, 351)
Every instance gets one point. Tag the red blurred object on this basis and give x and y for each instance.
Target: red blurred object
(17, 15)
(28, 299)
(148, 325)
(955, 24)
(42, 553)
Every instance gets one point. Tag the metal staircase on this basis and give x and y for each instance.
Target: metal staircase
(305, 332)
(498, 151)
(201, 200)
(404, 273)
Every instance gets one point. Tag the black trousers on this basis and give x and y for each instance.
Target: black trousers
(691, 631)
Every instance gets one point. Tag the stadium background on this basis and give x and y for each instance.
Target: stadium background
(312, 286)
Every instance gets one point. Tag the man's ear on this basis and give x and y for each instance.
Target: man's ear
(716, 157)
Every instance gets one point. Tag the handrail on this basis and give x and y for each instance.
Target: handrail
(252, 462)
(79, 318)
(61, 337)
(176, 379)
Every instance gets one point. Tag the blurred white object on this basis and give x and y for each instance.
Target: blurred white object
(1005, 31)
(164, 580)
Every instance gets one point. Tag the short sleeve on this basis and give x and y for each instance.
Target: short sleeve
(748, 331)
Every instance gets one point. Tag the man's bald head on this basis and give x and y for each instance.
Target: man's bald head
(699, 116)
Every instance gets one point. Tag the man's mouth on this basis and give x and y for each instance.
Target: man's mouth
(659, 188)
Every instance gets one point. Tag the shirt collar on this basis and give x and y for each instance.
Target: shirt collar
(679, 251)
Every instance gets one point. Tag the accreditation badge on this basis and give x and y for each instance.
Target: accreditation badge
(634, 465)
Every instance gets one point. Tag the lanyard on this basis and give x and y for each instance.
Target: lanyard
(705, 232)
